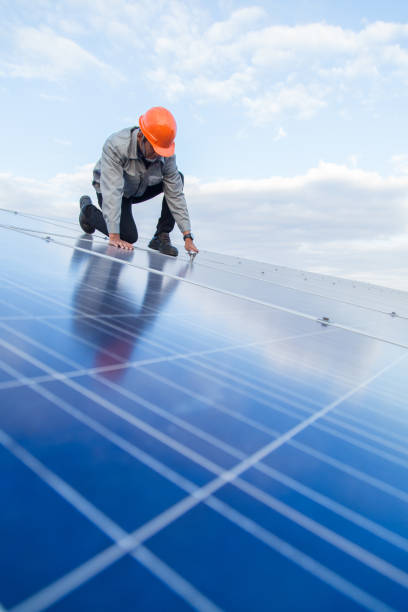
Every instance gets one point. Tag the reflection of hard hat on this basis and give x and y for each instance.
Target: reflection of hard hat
(159, 127)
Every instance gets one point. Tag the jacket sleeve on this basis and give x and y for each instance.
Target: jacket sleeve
(173, 190)
(112, 183)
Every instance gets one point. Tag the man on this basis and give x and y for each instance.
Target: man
(137, 164)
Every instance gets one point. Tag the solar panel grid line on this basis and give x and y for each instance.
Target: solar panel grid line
(322, 457)
(360, 431)
(94, 566)
(153, 360)
(219, 381)
(297, 288)
(107, 526)
(83, 340)
(235, 452)
(265, 384)
(64, 224)
(373, 561)
(309, 564)
(109, 328)
(268, 430)
(305, 364)
(36, 234)
(18, 380)
(364, 433)
(262, 279)
(174, 316)
(276, 433)
(377, 483)
(134, 364)
(47, 218)
(317, 279)
(111, 325)
(337, 508)
(129, 448)
(230, 310)
(332, 375)
(245, 518)
(315, 318)
(34, 296)
(325, 428)
(53, 219)
(153, 312)
(182, 423)
(203, 264)
(350, 589)
(244, 461)
(114, 409)
(58, 302)
(397, 395)
(179, 584)
(60, 589)
(392, 417)
(104, 323)
(367, 424)
(308, 383)
(212, 467)
(63, 317)
(131, 328)
(75, 364)
(284, 395)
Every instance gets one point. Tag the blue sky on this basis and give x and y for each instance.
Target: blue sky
(292, 118)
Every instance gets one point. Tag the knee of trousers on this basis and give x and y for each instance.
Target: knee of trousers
(182, 177)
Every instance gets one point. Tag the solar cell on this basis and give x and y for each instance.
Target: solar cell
(177, 436)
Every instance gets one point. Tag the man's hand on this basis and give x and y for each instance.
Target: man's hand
(190, 246)
(115, 240)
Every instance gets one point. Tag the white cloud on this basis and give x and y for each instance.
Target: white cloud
(52, 97)
(64, 143)
(278, 69)
(332, 219)
(245, 60)
(42, 53)
(279, 134)
(238, 22)
(59, 196)
(400, 163)
(297, 99)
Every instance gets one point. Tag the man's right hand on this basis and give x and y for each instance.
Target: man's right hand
(115, 240)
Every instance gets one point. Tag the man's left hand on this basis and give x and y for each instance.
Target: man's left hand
(190, 246)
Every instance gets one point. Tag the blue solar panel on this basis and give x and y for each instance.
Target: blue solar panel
(177, 436)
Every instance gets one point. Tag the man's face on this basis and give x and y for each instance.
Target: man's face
(147, 150)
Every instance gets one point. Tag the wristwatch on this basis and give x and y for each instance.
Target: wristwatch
(188, 236)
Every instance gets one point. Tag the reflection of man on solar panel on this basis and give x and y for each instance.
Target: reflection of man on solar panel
(137, 164)
(117, 323)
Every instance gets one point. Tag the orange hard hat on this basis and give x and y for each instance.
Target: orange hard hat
(159, 127)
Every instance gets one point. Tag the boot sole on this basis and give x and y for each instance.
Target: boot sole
(170, 254)
(88, 229)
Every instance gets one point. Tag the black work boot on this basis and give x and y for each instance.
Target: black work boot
(84, 202)
(161, 242)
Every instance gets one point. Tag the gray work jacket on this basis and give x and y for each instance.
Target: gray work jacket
(121, 172)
